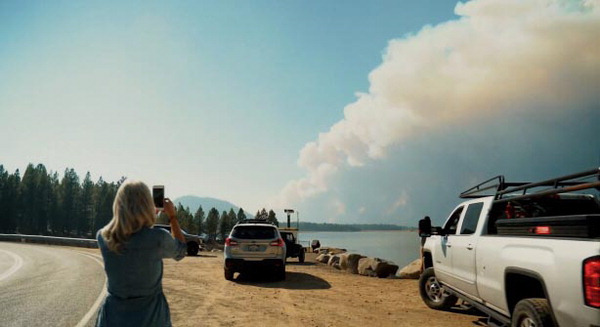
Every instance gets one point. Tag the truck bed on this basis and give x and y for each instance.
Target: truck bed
(578, 226)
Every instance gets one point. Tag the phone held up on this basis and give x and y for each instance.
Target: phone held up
(158, 194)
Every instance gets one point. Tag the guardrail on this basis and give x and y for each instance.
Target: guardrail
(52, 240)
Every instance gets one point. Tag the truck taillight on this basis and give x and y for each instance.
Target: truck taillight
(591, 281)
(278, 242)
(230, 242)
(543, 230)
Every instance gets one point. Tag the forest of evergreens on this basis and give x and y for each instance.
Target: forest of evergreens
(40, 202)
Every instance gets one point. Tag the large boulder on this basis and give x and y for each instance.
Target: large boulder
(336, 251)
(410, 271)
(376, 267)
(349, 262)
(384, 268)
(334, 261)
(323, 258)
(343, 261)
(364, 267)
(331, 250)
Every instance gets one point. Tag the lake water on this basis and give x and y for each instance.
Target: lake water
(401, 247)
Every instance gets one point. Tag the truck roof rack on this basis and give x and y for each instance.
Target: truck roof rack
(519, 190)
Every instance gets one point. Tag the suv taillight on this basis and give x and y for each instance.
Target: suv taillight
(591, 281)
(278, 242)
(230, 242)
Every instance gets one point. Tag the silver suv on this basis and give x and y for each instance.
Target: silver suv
(254, 244)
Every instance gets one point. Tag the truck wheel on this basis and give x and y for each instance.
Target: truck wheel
(532, 313)
(433, 293)
(228, 274)
(301, 256)
(192, 248)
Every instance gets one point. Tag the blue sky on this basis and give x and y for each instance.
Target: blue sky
(323, 106)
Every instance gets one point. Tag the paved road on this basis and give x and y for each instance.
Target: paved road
(44, 285)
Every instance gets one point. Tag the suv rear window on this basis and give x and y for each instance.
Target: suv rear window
(253, 232)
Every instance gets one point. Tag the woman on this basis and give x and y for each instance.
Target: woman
(133, 253)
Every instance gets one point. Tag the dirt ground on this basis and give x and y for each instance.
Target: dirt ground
(313, 294)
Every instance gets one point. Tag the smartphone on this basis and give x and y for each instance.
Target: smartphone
(158, 194)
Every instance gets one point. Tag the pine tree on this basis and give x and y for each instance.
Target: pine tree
(104, 198)
(181, 216)
(232, 219)
(224, 225)
(184, 217)
(272, 217)
(263, 214)
(241, 215)
(189, 218)
(13, 210)
(70, 192)
(87, 206)
(8, 193)
(29, 203)
(3, 192)
(199, 223)
(44, 205)
(212, 223)
(53, 205)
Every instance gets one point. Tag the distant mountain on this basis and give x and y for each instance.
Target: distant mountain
(326, 227)
(193, 202)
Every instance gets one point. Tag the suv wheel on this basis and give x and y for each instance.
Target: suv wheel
(228, 274)
(301, 256)
(532, 313)
(433, 293)
(192, 248)
(280, 273)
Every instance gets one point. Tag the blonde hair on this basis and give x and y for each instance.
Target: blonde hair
(133, 209)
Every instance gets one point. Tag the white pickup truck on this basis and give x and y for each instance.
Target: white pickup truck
(525, 254)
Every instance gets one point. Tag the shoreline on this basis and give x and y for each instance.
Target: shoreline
(400, 247)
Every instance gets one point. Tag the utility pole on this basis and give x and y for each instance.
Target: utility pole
(288, 212)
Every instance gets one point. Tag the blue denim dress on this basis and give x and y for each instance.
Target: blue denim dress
(135, 296)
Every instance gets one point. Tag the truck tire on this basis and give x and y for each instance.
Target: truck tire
(192, 248)
(433, 293)
(301, 256)
(228, 274)
(534, 312)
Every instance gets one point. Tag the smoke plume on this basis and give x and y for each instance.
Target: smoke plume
(501, 57)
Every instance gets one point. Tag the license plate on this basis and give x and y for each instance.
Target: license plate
(253, 248)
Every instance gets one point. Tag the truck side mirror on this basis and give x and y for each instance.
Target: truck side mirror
(425, 227)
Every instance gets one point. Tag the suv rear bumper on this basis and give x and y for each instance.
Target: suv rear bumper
(241, 264)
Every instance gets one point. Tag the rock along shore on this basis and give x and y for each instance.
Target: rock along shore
(356, 263)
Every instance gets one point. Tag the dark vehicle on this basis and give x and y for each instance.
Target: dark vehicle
(314, 245)
(294, 249)
(194, 242)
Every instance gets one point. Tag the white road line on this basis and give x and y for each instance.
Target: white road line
(16, 265)
(86, 318)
